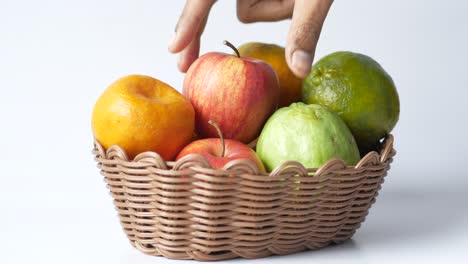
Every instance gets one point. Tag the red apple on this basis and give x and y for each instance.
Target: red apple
(240, 93)
(219, 151)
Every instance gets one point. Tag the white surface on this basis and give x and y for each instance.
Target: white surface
(56, 57)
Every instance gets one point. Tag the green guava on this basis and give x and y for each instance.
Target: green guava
(310, 134)
(359, 90)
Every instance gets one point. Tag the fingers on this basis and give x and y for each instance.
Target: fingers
(306, 24)
(191, 52)
(249, 11)
(307, 20)
(194, 14)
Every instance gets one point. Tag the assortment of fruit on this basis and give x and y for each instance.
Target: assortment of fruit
(346, 105)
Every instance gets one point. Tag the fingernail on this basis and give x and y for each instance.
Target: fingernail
(302, 61)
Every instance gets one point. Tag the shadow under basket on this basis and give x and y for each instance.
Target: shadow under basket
(187, 210)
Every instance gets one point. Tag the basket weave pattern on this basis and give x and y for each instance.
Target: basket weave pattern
(187, 210)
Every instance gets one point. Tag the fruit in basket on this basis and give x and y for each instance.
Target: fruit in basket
(219, 151)
(140, 113)
(359, 90)
(290, 85)
(239, 93)
(310, 134)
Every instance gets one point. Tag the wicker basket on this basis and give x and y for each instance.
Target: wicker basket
(186, 210)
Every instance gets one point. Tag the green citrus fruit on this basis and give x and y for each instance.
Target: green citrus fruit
(359, 90)
(310, 134)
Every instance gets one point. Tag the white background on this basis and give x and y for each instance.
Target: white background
(56, 57)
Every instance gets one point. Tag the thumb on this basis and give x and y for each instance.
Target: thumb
(306, 24)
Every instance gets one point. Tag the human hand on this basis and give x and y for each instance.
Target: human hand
(307, 20)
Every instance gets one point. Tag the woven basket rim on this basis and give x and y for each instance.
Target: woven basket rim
(192, 161)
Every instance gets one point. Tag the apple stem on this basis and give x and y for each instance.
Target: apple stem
(229, 44)
(220, 134)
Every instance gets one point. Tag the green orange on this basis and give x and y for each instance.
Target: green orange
(359, 90)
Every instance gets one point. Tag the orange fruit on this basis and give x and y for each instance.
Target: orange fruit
(140, 113)
(290, 85)
(360, 91)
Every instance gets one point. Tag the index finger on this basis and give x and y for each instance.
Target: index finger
(306, 25)
(194, 13)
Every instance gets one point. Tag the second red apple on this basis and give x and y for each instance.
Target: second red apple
(219, 151)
